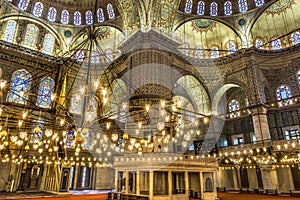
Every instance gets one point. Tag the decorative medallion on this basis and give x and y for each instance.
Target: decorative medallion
(203, 25)
(280, 6)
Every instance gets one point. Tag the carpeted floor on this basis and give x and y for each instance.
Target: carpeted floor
(236, 196)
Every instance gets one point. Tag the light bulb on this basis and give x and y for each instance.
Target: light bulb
(20, 123)
(82, 89)
(105, 100)
(108, 125)
(2, 84)
(62, 121)
(104, 92)
(96, 84)
(53, 96)
(24, 115)
(22, 92)
(147, 107)
(162, 103)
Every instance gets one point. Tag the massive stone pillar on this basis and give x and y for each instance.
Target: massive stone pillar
(269, 177)
(285, 179)
(260, 123)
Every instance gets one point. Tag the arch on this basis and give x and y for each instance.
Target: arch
(259, 43)
(110, 11)
(214, 52)
(23, 4)
(10, 31)
(100, 15)
(52, 14)
(188, 6)
(195, 92)
(284, 95)
(201, 8)
(208, 185)
(48, 44)
(227, 8)
(38, 9)
(89, 18)
(276, 44)
(213, 9)
(30, 38)
(259, 3)
(20, 83)
(45, 92)
(77, 18)
(231, 47)
(64, 17)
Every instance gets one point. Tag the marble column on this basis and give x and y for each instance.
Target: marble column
(201, 185)
(260, 123)
(126, 182)
(117, 180)
(186, 178)
(151, 182)
(170, 184)
(138, 184)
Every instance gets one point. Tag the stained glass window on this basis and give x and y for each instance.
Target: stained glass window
(296, 38)
(48, 44)
(70, 138)
(243, 5)
(201, 8)
(100, 15)
(95, 58)
(89, 17)
(64, 17)
(213, 9)
(276, 44)
(45, 91)
(80, 56)
(223, 142)
(10, 31)
(52, 14)
(38, 9)
(259, 3)
(227, 8)
(77, 18)
(188, 6)
(30, 36)
(215, 52)
(76, 104)
(231, 47)
(298, 76)
(23, 4)
(259, 44)
(20, 83)
(110, 11)
(234, 107)
(284, 95)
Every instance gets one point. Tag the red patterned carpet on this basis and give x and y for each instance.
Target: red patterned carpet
(236, 196)
(69, 197)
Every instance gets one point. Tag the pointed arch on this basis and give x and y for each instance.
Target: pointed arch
(110, 11)
(243, 6)
(48, 44)
(23, 4)
(295, 38)
(188, 6)
(227, 8)
(65, 17)
(77, 18)
(201, 8)
(100, 15)
(213, 9)
(89, 17)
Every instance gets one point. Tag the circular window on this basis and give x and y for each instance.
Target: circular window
(68, 33)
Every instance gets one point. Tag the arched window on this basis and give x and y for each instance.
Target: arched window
(110, 11)
(213, 9)
(48, 44)
(259, 44)
(52, 14)
(243, 5)
(19, 87)
(45, 91)
(95, 58)
(215, 52)
(77, 18)
(201, 8)
(234, 107)
(30, 36)
(298, 76)
(259, 3)
(284, 95)
(100, 15)
(64, 17)
(23, 4)
(10, 31)
(89, 18)
(296, 37)
(231, 47)
(208, 185)
(76, 104)
(188, 6)
(227, 8)
(80, 56)
(38, 9)
(276, 44)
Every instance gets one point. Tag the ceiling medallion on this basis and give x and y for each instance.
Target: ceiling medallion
(280, 6)
(203, 25)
